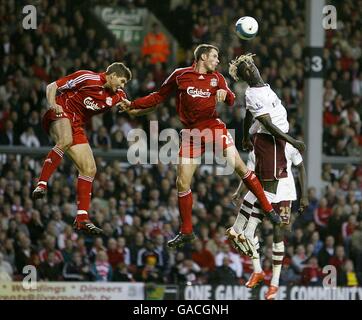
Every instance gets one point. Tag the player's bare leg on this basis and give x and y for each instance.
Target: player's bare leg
(251, 182)
(61, 132)
(82, 157)
(185, 171)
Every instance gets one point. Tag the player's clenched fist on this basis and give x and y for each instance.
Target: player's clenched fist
(58, 110)
(247, 145)
(300, 145)
(304, 203)
(221, 95)
(124, 105)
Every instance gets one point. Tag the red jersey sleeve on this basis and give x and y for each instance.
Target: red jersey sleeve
(230, 96)
(157, 97)
(76, 80)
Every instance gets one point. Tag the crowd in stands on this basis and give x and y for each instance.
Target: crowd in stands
(137, 205)
(137, 208)
(64, 43)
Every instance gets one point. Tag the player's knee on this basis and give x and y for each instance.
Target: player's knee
(182, 184)
(240, 169)
(92, 170)
(278, 235)
(65, 143)
(89, 170)
(286, 228)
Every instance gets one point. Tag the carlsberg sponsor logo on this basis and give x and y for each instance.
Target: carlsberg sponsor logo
(194, 92)
(90, 104)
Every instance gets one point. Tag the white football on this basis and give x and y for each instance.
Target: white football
(246, 28)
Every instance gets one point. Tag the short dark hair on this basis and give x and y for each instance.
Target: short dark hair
(203, 48)
(120, 70)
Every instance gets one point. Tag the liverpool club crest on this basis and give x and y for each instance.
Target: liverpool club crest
(109, 101)
(213, 82)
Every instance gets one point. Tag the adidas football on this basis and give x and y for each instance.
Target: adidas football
(246, 28)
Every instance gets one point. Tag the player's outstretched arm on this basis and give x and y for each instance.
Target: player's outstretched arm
(302, 178)
(157, 97)
(126, 106)
(265, 120)
(141, 112)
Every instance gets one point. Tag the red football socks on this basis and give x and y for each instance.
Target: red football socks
(84, 193)
(50, 164)
(185, 207)
(253, 184)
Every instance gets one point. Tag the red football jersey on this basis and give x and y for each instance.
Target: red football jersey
(82, 94)
(195, 95)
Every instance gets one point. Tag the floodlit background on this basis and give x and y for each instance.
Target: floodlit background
(137, 205)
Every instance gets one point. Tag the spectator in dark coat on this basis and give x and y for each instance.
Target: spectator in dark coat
(224, 274)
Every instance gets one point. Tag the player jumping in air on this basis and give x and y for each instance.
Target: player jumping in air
(286, 193)
(198, 89)
(271, 127)
(73, 100)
